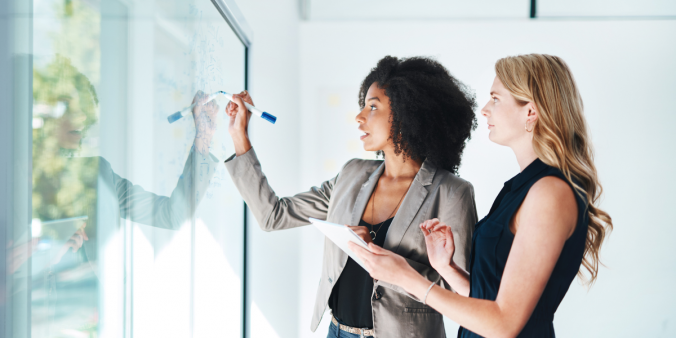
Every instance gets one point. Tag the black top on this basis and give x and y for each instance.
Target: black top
(350, 299)
(492, 241)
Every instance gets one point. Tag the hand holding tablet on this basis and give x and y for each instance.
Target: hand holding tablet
(340, 235)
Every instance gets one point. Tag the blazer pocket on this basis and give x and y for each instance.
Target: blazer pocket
(423, 322)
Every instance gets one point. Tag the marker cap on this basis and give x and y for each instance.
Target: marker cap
(269, 118)
(174, 117)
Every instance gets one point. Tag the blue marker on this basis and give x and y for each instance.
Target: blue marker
(268, 117)
(185, 111)
(180, 114)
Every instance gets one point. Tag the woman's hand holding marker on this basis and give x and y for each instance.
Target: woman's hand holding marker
(239, 122)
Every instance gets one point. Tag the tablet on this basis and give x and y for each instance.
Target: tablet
(61, 230)
(341, 235)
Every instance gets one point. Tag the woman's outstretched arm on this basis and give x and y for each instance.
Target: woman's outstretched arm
(544, 222)
(271, 212)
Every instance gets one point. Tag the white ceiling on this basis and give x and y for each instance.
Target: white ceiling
(419, 9)
(365, 10)
(606, 8)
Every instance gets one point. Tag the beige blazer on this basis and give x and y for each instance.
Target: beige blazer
(342, 199)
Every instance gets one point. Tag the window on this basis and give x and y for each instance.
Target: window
(120, 223)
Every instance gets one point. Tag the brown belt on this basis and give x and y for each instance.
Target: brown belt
(353, 330)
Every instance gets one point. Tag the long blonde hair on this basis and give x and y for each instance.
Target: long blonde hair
(560, 136)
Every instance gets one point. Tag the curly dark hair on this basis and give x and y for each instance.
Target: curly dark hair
(432, 112)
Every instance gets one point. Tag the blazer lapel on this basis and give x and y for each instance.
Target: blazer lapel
(365, 194)
(410, 206)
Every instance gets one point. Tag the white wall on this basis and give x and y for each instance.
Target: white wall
(625, 71)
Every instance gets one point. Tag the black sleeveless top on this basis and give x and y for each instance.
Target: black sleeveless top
(492, 241)
(350, 299)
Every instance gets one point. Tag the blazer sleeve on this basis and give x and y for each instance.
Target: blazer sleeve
(169, 212)
(460, 214)
(272, 212)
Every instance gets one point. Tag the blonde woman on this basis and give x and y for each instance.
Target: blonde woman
(543, 226)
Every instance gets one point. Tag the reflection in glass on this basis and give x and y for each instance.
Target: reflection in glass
(104, 256)
(67, 212)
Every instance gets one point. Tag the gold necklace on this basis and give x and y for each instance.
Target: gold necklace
(373, 206)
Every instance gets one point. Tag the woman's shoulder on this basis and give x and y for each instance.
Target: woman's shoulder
(446, 178)
(359, 164)
(553, 181)
(452, 185)
(553, 171)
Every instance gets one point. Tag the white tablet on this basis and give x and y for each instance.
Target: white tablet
(341, 235)
(61, 230)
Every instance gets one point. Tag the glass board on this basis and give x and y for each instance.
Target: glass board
(136, 228)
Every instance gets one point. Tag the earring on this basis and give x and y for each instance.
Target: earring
(531, 129)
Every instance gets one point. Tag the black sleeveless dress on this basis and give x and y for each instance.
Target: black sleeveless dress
(492, 241)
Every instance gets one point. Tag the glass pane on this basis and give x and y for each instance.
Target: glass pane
(136, 227)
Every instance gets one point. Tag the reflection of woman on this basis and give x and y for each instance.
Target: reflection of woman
(419, 117)
(542, 226)
(67, 186)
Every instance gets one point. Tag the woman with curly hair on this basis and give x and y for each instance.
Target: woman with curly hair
(544, 226)
(418, 117)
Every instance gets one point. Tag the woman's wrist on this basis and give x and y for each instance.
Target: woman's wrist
(202, 142)
(449, 269)
(415, 284)
(242, 144)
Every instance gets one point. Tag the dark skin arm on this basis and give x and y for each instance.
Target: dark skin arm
(392, 185)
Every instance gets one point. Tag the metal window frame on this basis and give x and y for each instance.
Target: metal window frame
(15, 158)
(235, 19)
(245, 239)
